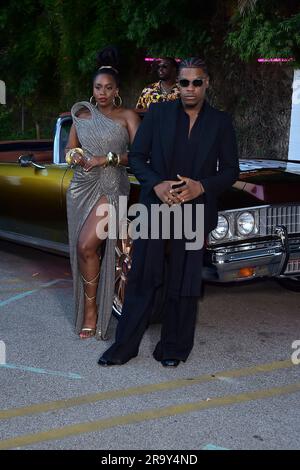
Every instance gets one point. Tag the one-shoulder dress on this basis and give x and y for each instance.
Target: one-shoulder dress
(97, 135)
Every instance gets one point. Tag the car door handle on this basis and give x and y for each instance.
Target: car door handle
(28, 160)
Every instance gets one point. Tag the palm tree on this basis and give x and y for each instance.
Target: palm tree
(245, 6)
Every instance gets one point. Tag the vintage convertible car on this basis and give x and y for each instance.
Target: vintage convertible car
(258, 232)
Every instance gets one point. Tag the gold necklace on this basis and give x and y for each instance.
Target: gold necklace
(163, 89)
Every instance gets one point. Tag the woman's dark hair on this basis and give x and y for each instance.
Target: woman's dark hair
(193, 63)
(108, 63)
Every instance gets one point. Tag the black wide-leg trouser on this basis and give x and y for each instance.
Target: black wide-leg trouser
(177, 332)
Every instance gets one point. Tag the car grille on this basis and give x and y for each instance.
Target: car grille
(293, 267)
(289, 216)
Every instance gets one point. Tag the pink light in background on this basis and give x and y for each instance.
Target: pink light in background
(152, 59)
(276, 59)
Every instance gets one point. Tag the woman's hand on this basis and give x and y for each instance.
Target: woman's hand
(77, 159)
(92, 162)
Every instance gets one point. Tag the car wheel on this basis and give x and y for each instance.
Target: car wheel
(123, 265)
(290, 283)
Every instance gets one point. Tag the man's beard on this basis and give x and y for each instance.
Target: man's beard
(190, 105)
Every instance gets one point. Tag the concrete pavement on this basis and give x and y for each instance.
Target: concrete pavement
(238, 390)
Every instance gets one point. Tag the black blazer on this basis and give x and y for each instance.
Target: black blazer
(216, 162)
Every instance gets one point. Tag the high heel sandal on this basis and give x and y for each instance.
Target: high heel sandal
(88, 332)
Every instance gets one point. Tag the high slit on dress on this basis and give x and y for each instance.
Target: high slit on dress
(97, 135)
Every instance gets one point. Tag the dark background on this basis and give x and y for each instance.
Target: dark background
(48, 50)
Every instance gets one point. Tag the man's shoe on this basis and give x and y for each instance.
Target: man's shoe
(170, 362)
(106, 362)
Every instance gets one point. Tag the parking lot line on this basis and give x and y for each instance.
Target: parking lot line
(11, 280)
(37, 370)
(213, 447)
(142, 389)
(3, 303)
(146, 415)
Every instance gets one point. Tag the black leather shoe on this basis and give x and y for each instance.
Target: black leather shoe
(106, 362)
(170, 362)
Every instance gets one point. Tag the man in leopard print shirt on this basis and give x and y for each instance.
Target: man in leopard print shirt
(163, 90)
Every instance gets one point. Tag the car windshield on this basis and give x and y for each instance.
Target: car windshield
(64, 135)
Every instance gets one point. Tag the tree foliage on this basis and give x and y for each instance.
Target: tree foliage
(268, 30)
(169, 27)
(48, 47)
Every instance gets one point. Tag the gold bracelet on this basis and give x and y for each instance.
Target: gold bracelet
(112, 159)
(70, 154)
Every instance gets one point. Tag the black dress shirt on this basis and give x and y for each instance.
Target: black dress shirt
(185, 145)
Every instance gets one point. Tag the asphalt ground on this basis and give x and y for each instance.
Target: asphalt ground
(239, 389)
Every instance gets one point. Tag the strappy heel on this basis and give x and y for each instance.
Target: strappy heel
(88, 332)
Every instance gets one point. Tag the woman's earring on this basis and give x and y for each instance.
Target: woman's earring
(119, 104)
(91, 100)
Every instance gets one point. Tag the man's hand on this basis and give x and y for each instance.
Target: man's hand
(191, 190)
(164, 192)
(91, 162)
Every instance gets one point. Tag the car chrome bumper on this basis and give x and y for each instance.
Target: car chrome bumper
(278, 256)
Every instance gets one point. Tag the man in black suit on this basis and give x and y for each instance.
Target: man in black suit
(181, 142)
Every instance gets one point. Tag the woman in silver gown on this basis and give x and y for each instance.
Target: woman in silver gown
(98, 129)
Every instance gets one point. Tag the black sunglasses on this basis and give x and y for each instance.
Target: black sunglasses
(184, 82)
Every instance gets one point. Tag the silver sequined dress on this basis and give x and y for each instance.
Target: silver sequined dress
(97, 136)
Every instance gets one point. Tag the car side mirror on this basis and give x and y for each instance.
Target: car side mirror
(28, 160)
